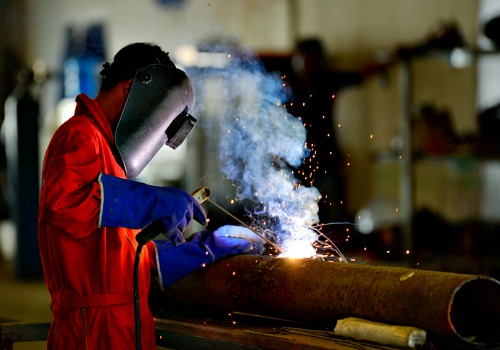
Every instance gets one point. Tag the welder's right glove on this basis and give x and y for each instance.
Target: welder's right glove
(203, 248)
(132, 204)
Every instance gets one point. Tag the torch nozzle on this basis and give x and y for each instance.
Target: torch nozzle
(201, 194)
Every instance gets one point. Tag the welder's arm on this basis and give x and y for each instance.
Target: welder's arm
(132, 204)
(70, 196)
(205, 247)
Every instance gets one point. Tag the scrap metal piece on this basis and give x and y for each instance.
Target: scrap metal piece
(353, 327)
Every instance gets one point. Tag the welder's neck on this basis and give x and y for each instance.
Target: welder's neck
(112, 102)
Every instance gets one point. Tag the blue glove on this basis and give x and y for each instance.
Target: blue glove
(205, 247)
(132, 204)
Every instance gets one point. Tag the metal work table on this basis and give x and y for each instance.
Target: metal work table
(184, 329)
(179, 335)
(202, 333)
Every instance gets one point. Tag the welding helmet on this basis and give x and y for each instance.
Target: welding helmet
(155, 113)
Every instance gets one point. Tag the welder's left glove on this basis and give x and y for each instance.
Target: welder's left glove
(132, 204)
(205, 247)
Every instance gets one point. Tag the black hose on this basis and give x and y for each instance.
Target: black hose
(137, 311)
(143, 237)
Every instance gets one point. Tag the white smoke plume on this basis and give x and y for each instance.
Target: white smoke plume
(260, 144)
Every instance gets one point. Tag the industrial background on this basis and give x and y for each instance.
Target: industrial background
(418, 137)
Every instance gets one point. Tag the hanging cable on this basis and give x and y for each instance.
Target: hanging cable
(143, 237)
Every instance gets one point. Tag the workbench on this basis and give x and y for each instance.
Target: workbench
(172, 334)
(237, 331)
(205, 333)
(188, 330)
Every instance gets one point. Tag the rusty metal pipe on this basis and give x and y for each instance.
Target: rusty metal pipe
(448, 305)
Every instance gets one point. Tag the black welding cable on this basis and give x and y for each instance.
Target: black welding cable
(143, 237)
(137, 311)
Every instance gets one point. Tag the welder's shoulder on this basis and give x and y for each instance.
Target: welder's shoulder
(77, 123)
(77, 127)
(75, 132)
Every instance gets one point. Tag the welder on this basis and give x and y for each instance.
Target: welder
(92, 206)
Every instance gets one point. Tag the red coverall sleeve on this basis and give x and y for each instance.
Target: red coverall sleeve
(70, 195)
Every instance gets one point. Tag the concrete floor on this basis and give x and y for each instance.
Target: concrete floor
(22, 301)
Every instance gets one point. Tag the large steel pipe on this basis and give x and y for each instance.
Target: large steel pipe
(449, 305)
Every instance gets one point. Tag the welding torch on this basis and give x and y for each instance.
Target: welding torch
(203, 194)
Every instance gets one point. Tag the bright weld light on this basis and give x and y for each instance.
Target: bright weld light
(297, 250)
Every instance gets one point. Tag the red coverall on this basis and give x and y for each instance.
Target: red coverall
(88, 269)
